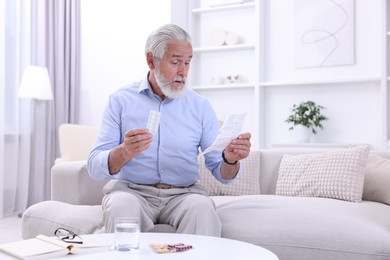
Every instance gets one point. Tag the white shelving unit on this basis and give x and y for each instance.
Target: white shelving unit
(203, 22)
(213, 63)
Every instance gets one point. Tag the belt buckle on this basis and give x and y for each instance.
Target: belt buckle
(163, 186)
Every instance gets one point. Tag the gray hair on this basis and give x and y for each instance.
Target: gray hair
(158, 39)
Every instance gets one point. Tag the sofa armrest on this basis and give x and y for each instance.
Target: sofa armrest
(71, 183)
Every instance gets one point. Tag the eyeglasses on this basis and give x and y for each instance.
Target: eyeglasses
(68, 236)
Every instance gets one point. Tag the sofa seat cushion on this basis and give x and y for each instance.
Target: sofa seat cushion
(45, 217)
(308, 228)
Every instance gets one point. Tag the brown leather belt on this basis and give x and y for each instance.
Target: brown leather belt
(168, 186)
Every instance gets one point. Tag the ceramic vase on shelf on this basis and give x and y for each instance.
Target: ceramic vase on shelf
(302, 133)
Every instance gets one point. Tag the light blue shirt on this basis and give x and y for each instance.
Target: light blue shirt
(186, 124)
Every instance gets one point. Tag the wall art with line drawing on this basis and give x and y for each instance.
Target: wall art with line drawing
(324, 33)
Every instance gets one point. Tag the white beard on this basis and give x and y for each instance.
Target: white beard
(165, 85)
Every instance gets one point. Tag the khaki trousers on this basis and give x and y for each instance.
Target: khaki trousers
(189, 210)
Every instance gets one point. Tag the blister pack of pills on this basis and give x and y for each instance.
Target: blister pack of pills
(170, 248)
(153, 121)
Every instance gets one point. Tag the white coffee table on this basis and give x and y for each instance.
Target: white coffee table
(204, 248)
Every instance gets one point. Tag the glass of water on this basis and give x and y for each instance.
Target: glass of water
(127, 233)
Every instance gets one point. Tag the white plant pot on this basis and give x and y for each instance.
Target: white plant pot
(302, 133)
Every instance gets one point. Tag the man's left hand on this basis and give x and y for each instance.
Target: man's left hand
(238, 148)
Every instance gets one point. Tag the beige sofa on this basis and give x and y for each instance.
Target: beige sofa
(274, 203)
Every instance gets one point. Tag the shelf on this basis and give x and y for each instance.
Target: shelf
(223, 87)
(312, 146)
(237, 47)
(223, 8)
(332, 81)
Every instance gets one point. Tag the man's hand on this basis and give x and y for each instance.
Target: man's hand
(135, 141)
(238, 148)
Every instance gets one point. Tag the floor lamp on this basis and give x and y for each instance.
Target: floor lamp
(35, 86)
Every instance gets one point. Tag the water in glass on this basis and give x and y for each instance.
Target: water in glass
(126, 234)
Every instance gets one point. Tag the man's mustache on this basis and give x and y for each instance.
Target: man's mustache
(179, 79)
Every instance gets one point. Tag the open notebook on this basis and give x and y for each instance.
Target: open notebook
(45, 247)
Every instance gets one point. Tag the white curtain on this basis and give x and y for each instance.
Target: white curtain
(55, 45)
(43, 33)
(15, 118)
(2, 94)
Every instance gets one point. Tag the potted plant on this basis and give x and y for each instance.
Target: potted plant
(308, 115)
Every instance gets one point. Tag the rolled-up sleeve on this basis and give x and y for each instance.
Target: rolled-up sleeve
(98, 165)
(109, 136)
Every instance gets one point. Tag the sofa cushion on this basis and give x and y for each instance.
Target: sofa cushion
(307, 228)
(336, 174)
(46, 216)
(377, 179)
(247, 183)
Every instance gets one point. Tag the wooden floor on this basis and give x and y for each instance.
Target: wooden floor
(10, 229)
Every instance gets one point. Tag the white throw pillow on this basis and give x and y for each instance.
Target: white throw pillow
(377, 179)
(247, 183)
(335, 174)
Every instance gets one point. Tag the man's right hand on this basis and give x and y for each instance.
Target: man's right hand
(135, 141)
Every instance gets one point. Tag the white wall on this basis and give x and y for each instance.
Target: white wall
(280, 44)
(113, 35)
(354, 109)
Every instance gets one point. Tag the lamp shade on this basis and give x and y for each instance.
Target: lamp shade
(35, 84)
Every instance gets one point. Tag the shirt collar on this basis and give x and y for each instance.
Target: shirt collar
(145, 86)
